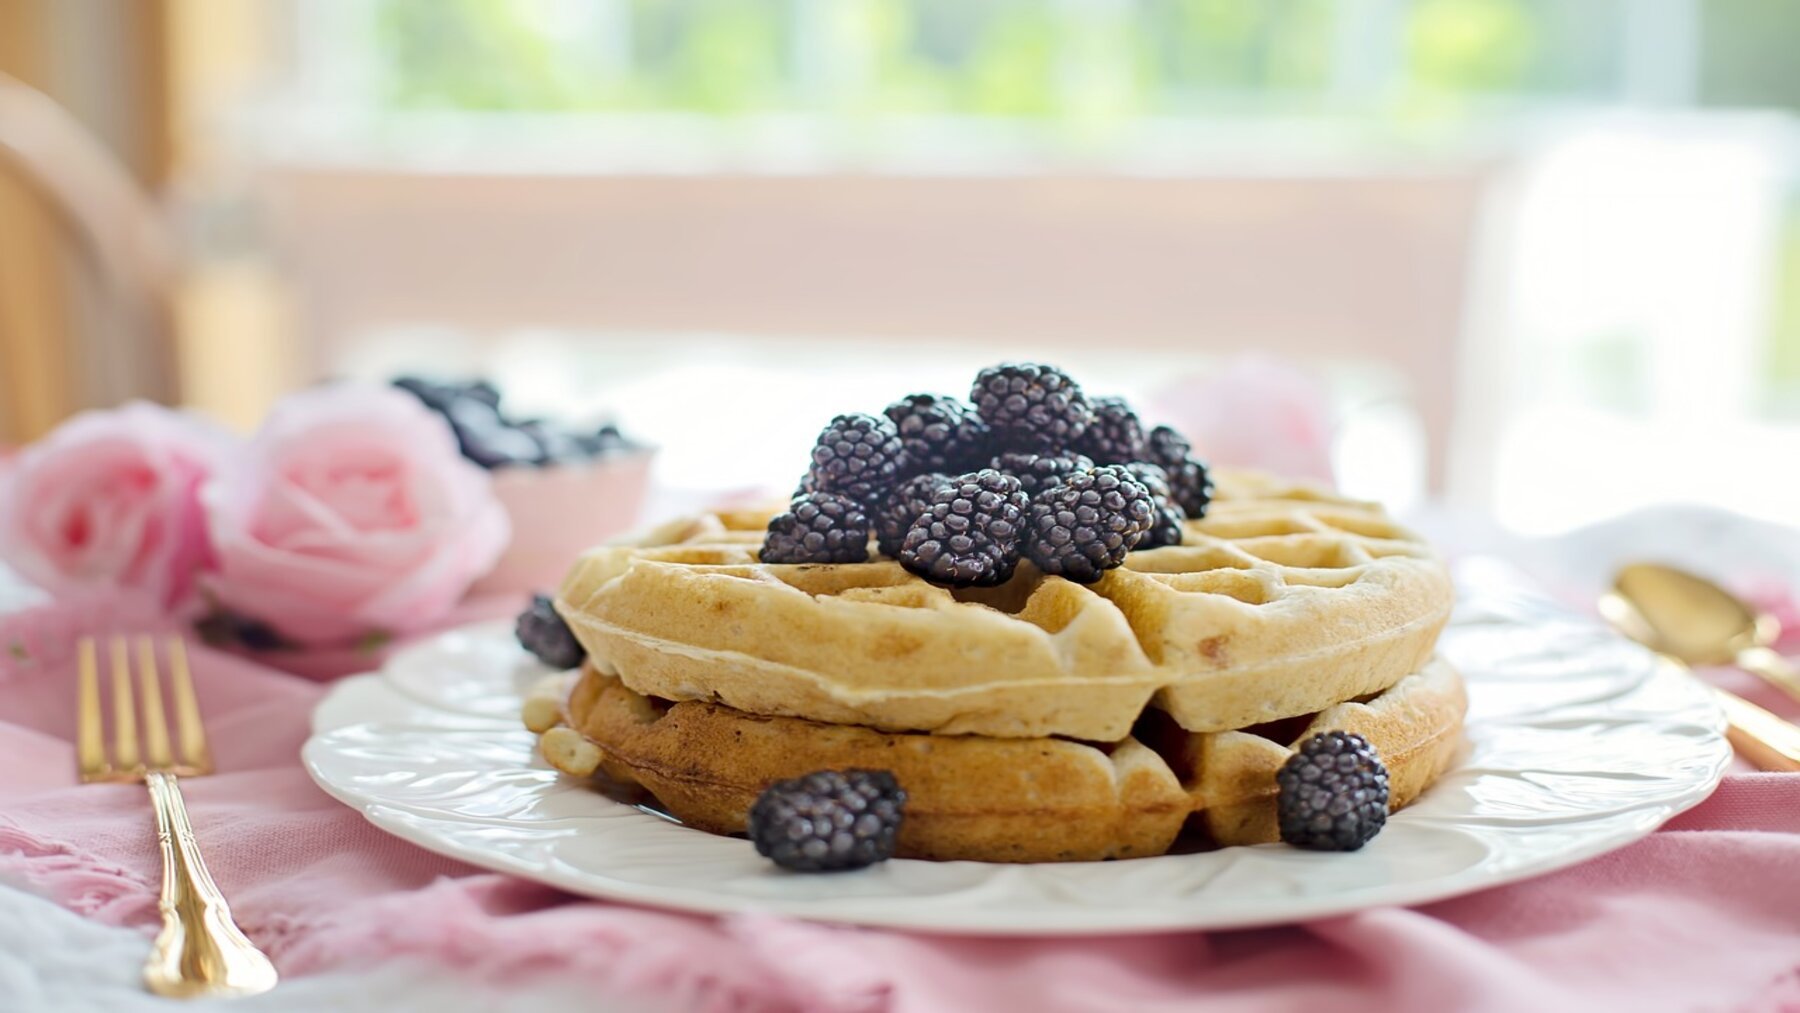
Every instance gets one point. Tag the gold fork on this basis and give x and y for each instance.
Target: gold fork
(200, 951)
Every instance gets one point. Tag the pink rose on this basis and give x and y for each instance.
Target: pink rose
(1256, 412)
(109, 502)
(353, 515)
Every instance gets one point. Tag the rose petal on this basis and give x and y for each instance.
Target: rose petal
(109, 501)
(353, 513)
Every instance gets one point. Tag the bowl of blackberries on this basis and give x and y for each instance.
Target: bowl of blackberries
(566, 487)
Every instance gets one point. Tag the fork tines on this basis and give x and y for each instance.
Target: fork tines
(138, 710)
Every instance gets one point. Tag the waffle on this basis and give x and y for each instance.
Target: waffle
(999, 799)
(1283, 601)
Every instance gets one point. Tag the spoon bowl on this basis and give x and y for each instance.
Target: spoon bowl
(1685, 616)
(1698, 623)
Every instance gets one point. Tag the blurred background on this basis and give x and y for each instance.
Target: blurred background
(1537, 258)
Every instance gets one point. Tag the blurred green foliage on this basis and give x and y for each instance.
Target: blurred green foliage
(1462, 46)
(1750, 53)
(1781, 369)
(1075, 62)
(1084, 63)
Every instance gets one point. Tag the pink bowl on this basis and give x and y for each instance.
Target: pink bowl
(560, 511)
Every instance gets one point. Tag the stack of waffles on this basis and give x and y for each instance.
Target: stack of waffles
(1040, 720)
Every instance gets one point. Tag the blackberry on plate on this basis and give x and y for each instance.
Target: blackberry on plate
(1115, 436)
(1086, 525)
(1334, 793)
(903, 507)
(819, 527)
(1153, 477)
(1037, 472)
(544, 633)
(829, 820)
(857, 455)
(1031, 406)
(1166, 529)
(968, 536)
(939, 433)
(1164, 446)
(1190, 486)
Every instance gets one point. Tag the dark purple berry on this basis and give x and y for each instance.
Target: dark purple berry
(1032, 407)
(819, 527)
(1334, 793)
(1086, 525)
(829, 820)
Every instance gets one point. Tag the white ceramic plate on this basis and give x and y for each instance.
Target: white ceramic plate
(1579, 743)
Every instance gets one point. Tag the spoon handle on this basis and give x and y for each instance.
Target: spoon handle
(1772, 668)
(1760, 737)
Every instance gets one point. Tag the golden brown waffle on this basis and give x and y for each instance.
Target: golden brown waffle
(993, 799)
(1283, 601)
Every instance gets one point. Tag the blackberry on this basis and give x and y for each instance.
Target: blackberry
(260, 636)
(555, 446)
(1031, 407)
(434, 395)
(605, 440)
(1087, 524)
(1191, 487)
(1037, 472)
(486, 438)
(939, 433)
(1164, 446)
(438, 396)
(544, 633)
(819, 527)
(1116, 436)
(1334, 793)
(1166, 529)
(221, 629)
(857, 455)
(903, 506)
(1151, 476)
(480, 390)
(969, 535)
(829, 820)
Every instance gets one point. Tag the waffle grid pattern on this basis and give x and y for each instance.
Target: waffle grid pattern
(1214, 631)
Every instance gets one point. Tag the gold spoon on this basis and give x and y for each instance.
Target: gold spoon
(1693, 621)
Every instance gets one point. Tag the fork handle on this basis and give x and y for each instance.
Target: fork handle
(200, 950)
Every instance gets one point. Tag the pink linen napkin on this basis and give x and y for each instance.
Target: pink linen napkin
(1703, 915)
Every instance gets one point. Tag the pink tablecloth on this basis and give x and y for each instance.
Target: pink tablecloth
(1703, 915)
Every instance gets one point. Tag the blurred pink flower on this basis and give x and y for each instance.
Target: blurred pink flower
(108, 503)
(1254, 413)
(352, 516)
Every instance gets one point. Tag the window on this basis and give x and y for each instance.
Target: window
(1638, 264)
